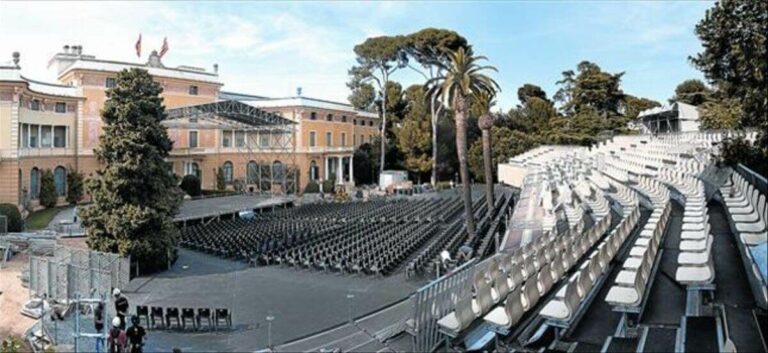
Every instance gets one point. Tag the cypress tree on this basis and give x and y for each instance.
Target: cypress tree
(48, 197)
(135, 193)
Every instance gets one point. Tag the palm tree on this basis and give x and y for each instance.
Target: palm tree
(484, 102)
(460, 78)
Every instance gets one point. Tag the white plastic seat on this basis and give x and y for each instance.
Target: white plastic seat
(695, 245)
(459, 319)
(563, 309)
(530, 295)
(695, 274)
(509, 314)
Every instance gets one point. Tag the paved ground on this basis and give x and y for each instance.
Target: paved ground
(193, 209)
(12, 296)
(302, 302)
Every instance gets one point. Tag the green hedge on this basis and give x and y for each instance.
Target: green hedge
(312, 188)
(191, 185)
(15, 223)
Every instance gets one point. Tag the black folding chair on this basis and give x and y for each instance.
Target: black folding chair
(172, 313)
(188, 313)
(157, 313)
(143, 311)
(204, 313)
(223, 314)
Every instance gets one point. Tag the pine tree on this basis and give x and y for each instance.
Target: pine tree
(74, 186)
(135, 193)
(221, 183)
(48, 197)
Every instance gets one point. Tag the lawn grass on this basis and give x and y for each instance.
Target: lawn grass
(40, 219)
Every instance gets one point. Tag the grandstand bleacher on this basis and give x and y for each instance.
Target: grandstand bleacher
(623, 246)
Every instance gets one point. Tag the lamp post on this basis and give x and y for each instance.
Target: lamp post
(270, 318)
(350, 296)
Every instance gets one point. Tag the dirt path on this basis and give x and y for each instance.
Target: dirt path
(12, 297)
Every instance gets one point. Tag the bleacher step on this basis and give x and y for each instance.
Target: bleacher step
(700, 334)
(659, 340)
(620, 345)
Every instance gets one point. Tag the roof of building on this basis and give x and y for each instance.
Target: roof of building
(296, 101)
(681, 110)
(13, 74)
(116, 66)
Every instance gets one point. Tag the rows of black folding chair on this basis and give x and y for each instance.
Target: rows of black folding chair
(168, 318)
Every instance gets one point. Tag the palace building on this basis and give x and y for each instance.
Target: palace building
(259, 143)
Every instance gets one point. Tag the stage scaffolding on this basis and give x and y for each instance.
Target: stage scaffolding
(266, 141)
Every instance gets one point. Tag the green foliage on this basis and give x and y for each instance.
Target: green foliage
(506, 144)
(329, 185)
(590, 87)
(135, 193)
(739, 150)
(238, 185)
(693, 92)
(634, 105)
(431, 45)
(41, 219)
(365, 164)
(13, 217)
(312, 187)
(221, 182)
(531, 117)
(733, 35)
(528, 91)
(11, 344)
(413, 135)
(719, 114)
(75, 186)
(190, 184)
(363, 96)
(48, 197)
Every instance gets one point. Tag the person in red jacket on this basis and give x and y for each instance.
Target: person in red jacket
(116, 340)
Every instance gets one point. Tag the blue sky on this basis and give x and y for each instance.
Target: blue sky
(270, 48)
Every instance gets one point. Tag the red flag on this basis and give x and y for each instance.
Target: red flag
(138, 47)
(164, 49)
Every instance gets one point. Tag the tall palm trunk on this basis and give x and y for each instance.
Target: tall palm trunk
(434, 144)
(461, 151)
(486, 123)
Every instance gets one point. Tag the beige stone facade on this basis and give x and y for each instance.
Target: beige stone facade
(57, 126)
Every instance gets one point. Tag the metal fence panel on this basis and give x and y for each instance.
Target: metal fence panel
(436, 300)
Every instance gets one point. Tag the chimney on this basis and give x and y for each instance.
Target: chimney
(215, 68)
(298, 91)
(16, 58)
(66, 49)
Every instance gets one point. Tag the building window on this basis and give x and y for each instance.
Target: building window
(228, 172)
(35, 105)
(24, 136)
(239, 138)
(312, 116)
(343, 118)
(193, 139)
(34, 135)
(277, 171)
(59, 136)
(329, 117)
(60, 180)
(253, 172)
(46, 136)
(110, 82)
(312, 139)
(370, 138)
(354, 140)
(370, 123)
(34, 183)
(354, 121)
(226, 138)
(192, 169)
(313, 171)
(264, 139)
(60, 107)
(362, 139)
(343, 139)
(193, 90)
(329, 139)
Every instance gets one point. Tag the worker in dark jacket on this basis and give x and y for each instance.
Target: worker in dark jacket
(136, 335)
(121, 306)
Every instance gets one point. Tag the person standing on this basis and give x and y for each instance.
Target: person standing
(116, 339)
(136, 335)
(121, 306)
(98, 323)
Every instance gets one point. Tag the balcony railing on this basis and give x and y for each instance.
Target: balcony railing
(38, 152)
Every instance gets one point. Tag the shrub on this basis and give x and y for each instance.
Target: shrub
(48, 197)
(238, 185)
(312, 188)
(328, 185)
(13, 217)
(191, 185)
(75, 186)
(221, 183)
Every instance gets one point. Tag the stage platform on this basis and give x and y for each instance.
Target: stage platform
(206, 208)
(303, 303)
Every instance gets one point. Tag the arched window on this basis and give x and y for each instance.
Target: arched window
(60, 180)
(194, 169)
(34, 183)
(253, 172)
(277, 171)
(228, 171)
(312, 170)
